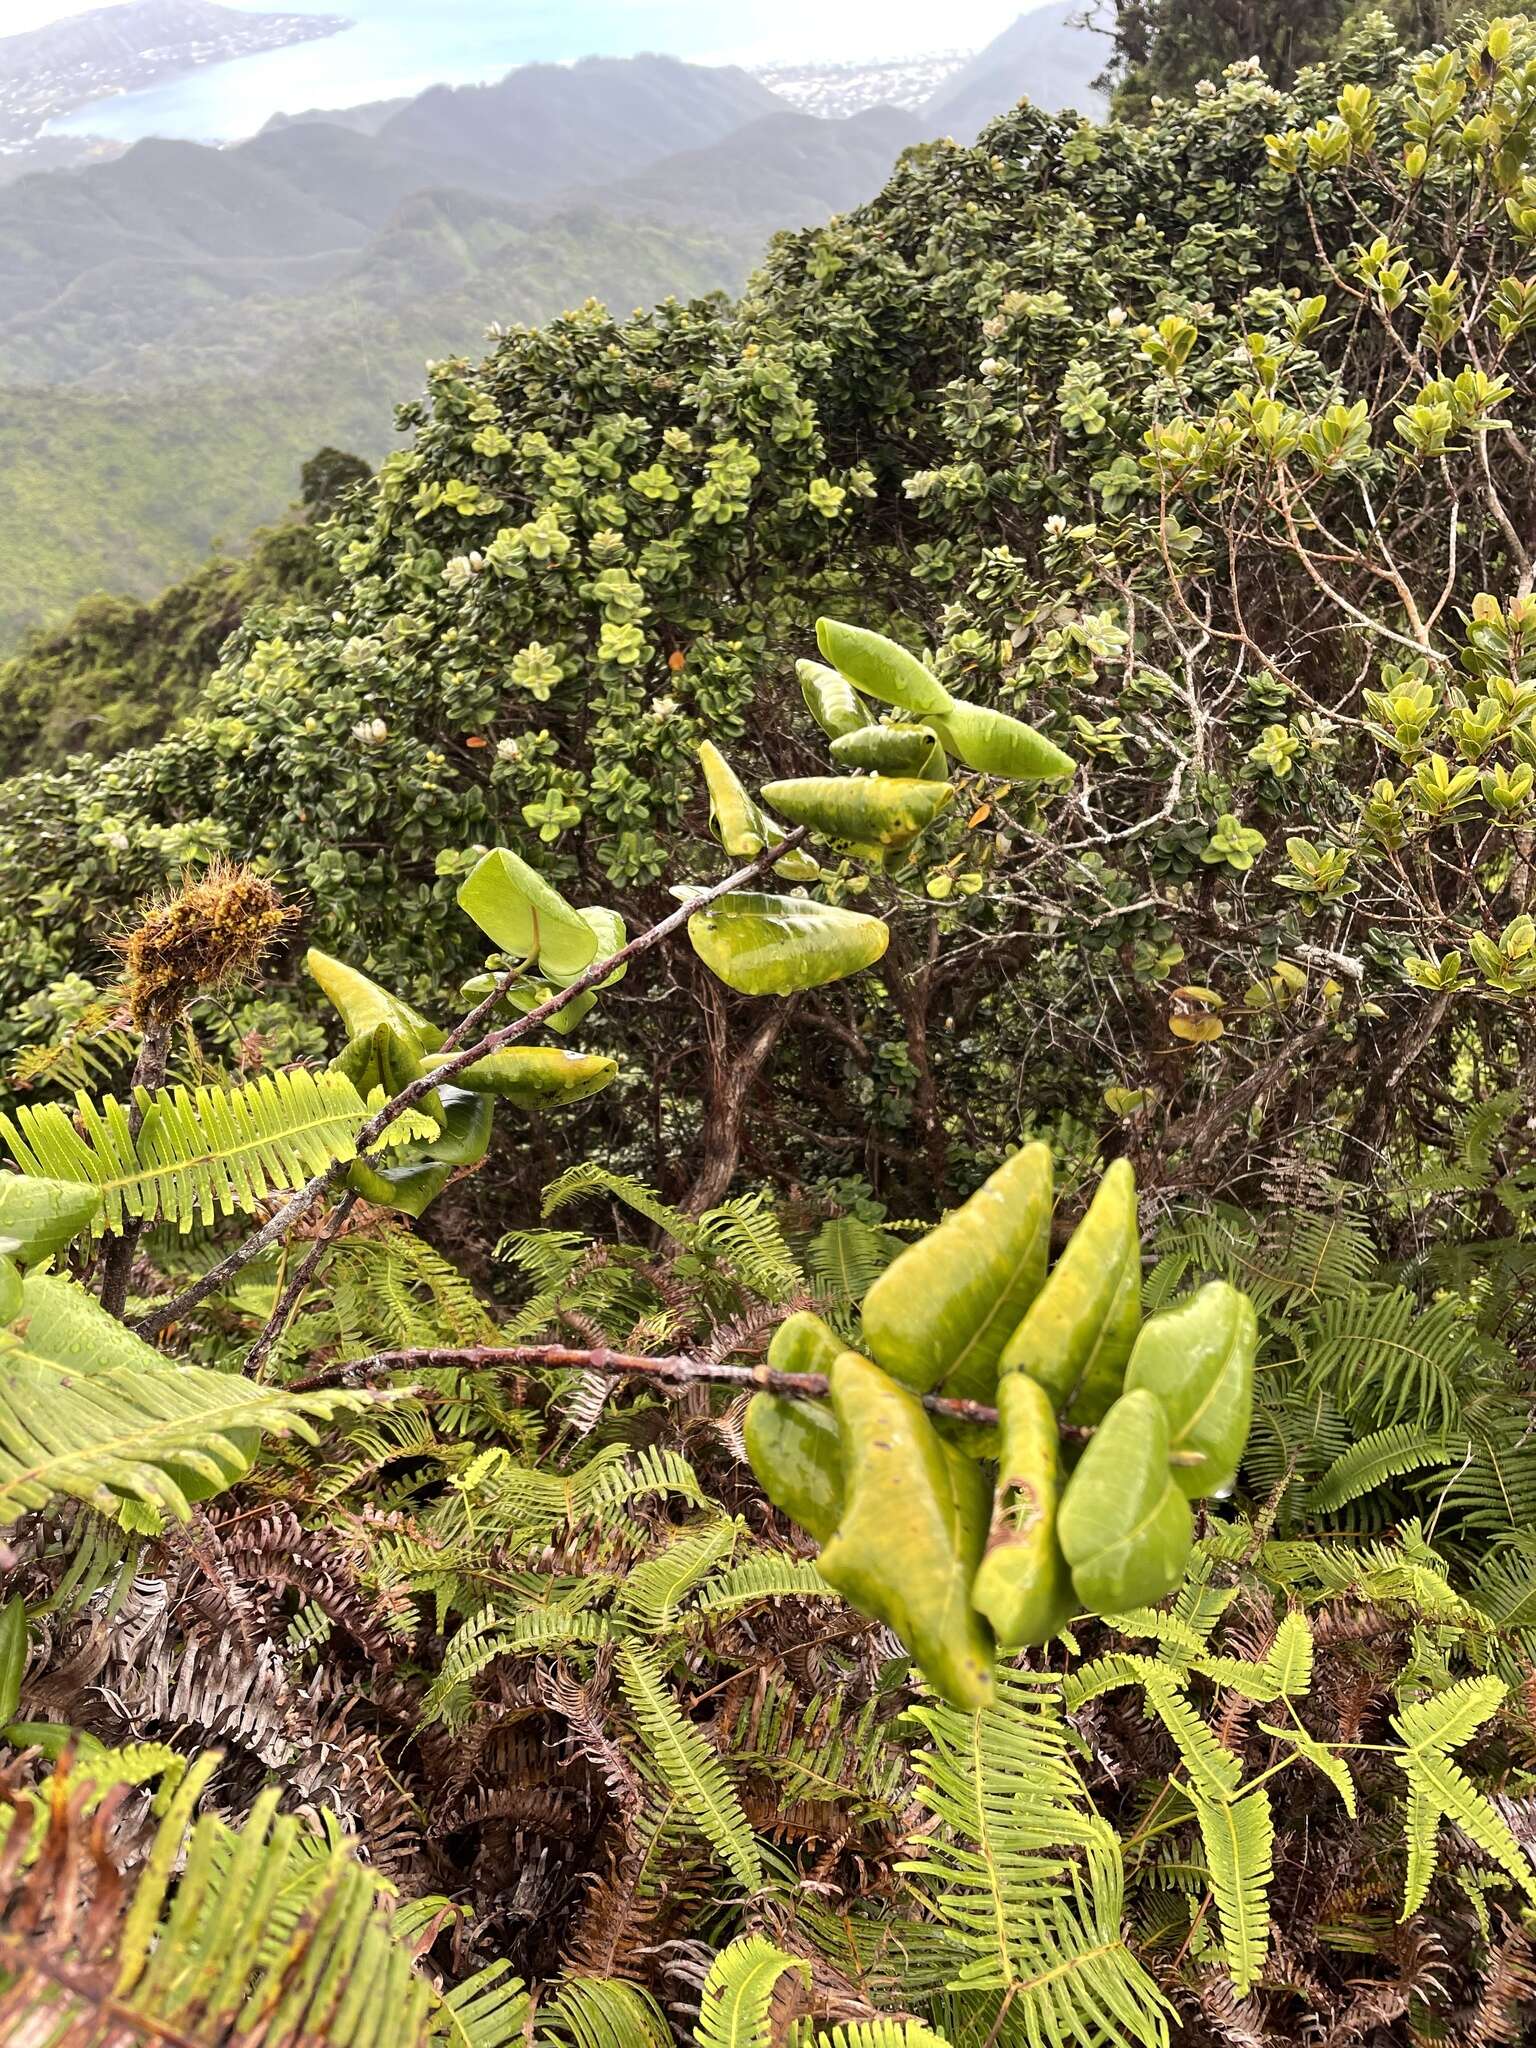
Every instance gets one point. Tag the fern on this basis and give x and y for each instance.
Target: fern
(1384, 1455)
(1213, 1770)
(589, 1178)
(846, 1257)
(1239, 1836)
(651, 1595)
(1027, 1878)
(1321, 1757)
(1437, 1786)
(198, 1154)
(89, 1410)
(744, 1235)
(741, 1992)
(690, 1769)
(867, 2034)
(596, 2012)
(768, 1575)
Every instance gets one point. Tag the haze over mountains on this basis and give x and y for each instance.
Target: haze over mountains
(182, 326)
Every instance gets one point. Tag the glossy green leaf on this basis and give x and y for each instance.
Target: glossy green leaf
(1124, 1526)
(804, 1343)
(912, 1531)
(1077, 1334)
(771, 945)
(363, 1005)
(1197, 1357)
(13, 1656)
(527, 996)
(382, 1059)
(522, 915)
(1024, 1585)
(535, 1076)
(794, 1449)
(836, 707)
(881, 668)
(993, 743)
(893, 750)
(940, 1314)
(417, 1174)
(40, 1217)
(877, 811)
(11, 1296)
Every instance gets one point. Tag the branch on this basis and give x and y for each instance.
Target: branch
(673, 1373)
(300, 1204)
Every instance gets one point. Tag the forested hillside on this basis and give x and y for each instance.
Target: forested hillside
(765, 1278)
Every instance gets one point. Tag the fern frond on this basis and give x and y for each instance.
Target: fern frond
(867, 2034)
(654, 1591)
(1290, 1656)
(1213, 1770)
(89, 1410)
(691, 1770)
(744, 1234)
(845, 1258)
(1385, 1454)
(588, 1178)
(737, 2009)
(1239, 1838)
(602, 2012)
(198, 1154)
(1026, 1875)
(1438, 1786)
(1321, 1757)
(767, 1575)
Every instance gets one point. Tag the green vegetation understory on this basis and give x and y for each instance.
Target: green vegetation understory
(415, 1528)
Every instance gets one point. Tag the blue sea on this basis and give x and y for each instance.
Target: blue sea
(402, 46)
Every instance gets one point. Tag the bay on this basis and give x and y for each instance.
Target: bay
(398, 47)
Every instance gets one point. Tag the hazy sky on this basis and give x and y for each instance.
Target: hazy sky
(880, 26)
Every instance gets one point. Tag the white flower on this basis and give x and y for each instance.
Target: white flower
(370, 732)
(1055, 526)
(662, 707)
(1115, 317)
(1205, 90)
(508, 750)
(992, 366)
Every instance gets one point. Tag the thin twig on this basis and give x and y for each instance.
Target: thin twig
(277, 1322)
(299, 1204)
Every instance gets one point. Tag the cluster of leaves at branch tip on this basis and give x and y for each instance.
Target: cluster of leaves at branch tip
(895, 784)
(1108, 1427)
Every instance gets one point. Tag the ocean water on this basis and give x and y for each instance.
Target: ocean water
(402, 46)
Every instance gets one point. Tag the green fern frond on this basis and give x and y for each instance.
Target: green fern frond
(1385, 1454)
(767, 1575)
(1108, 1674)
(867, 2034)
(845, 1258)
(1290, 1656)
(588, 1178)
(692, 1771)
(198, 1154)
(1213, 1770)
(654, 1591)
(1239, 1838)
(1321, 1757)
(602, 2012)
(738, 2006)
(89, 1410)
(744, 1234)
(1437, 1786)
(1025, 1874)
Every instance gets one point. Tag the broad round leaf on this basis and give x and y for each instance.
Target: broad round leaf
(536, 1076)
(1198, 1358)
(892, 750)
(40, 1217)
(1077, 1333)
(881, 668)
(836, 707)
(994, 744)
(1125, 1528)
(363, 1005)
(793, 1448)
(882, 811)
(522, 915)
(772, 945)
(1024, 1586)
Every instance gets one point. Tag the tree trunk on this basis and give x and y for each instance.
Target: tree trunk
(734, 1073)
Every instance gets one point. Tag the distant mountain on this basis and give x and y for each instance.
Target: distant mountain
(784, 171)
(1048, 56)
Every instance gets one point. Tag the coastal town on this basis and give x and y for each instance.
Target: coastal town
(52, 71)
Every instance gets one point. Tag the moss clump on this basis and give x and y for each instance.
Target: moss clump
(211, 934)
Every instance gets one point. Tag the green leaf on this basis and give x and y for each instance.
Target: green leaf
(772, 945)
(912, 1530)
(1198, 1359)
(1077, 1334)
(741, 827)
(363, 1005)
(40, 1217)
(1124, 1525)
(1321, 1757)
(13, 1656)
(793, 1448)
(836, 708)
(941, 1313)
(881, 668)
(417, 1173)
(877, 811)
(1290, 1657)
(893, 750)
(1024, 1585)
(993, 743)
(1239, 1838)
(523, 916)
(534, 1076)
